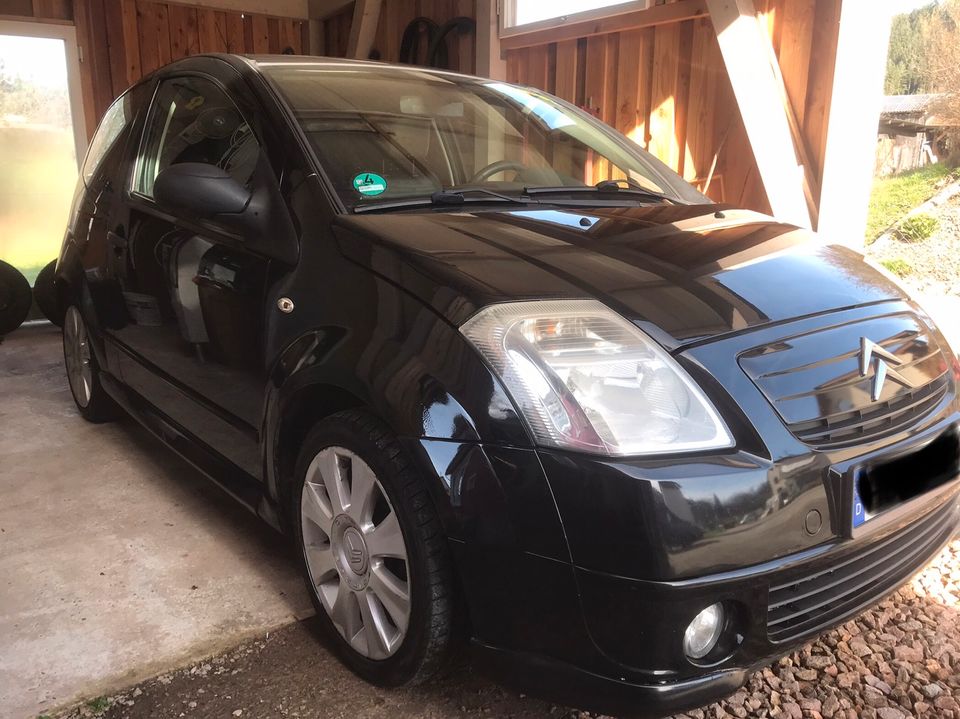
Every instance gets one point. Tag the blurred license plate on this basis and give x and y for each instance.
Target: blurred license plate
(882, 486)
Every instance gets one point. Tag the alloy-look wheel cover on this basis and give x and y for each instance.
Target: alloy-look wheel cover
(76, 355)
(355, 553)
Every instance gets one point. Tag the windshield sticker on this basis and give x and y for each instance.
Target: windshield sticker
(369, 184)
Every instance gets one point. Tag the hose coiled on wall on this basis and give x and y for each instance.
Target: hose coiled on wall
(437, 55)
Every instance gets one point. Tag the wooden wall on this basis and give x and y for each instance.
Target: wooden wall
(123, 40)
(56, 10)
(395, 15)
(666, 87)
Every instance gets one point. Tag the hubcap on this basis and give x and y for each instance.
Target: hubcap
(355, 552)
(76, 353)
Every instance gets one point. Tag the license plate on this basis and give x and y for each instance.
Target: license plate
(885, 485)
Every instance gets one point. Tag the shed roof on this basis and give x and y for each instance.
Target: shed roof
(908, 104)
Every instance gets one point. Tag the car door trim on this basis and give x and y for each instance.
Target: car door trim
(236, 422)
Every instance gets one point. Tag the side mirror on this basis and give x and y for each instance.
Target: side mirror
(203, 191)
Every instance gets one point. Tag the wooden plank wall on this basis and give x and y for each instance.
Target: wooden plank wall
(145, 35)
(123, 40)
(666, 87)
(56, 10)
(395, 15)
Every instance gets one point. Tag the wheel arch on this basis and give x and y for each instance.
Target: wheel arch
(300, 412)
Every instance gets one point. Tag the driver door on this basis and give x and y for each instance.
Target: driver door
(192, 343)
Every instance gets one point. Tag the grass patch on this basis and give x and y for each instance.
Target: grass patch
(899, 267)
(917, 228)
(893, 197)
(98, 705)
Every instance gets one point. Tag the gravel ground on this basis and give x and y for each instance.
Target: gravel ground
(900, 659)
(935, 261)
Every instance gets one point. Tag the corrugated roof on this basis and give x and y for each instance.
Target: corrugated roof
(901, 104)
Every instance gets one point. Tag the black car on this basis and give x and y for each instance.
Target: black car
(505, 378)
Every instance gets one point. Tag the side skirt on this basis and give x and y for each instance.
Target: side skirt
(240, 485)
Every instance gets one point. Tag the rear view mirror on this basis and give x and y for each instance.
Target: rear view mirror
(202, 190)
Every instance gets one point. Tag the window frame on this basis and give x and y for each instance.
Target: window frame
(138, 164)
(511, 29)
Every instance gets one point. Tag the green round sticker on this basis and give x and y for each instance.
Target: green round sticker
(369, 184)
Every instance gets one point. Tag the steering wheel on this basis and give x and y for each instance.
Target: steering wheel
(497, 167)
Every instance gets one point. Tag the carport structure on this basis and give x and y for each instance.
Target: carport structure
(768, 104)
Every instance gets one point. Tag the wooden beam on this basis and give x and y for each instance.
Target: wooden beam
(29, 18)
(271, 8)
(490, 59)
(322, 9)
(363, 30)
(854, 113)
(745, 46)
(656, 15)
(811, 183)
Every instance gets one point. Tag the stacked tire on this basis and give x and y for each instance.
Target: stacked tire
(16, 298)
(45, 295)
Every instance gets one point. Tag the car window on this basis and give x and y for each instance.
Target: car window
(115, 120)
(407, 149)
(387, 133)
(194, 120)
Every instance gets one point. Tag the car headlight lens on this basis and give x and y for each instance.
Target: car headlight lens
(587, 379)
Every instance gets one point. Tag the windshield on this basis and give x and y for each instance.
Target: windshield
(386, 134)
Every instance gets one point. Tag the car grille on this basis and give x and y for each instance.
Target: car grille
(810, 602)
(815, 383)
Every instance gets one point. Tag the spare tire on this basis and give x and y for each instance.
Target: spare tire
(45, 294)
(15, 298)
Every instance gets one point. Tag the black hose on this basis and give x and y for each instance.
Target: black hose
(438, 45)
(410, 43)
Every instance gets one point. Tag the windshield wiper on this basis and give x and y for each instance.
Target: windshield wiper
(457, 196)
(611, 187)
(446, 198)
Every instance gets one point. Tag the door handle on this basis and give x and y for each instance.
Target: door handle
(210, 283)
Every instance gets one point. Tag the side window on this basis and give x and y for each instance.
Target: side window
(194, 120)
(114, 121)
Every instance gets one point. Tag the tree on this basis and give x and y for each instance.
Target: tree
(942, 65)
(907, 58)
(37, 104)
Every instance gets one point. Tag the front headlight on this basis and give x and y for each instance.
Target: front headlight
(587, 379)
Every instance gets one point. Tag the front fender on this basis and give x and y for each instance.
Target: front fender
(397, 358)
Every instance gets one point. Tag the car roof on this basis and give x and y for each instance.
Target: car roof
(258, 62)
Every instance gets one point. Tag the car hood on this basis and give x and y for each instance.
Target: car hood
(682, 273)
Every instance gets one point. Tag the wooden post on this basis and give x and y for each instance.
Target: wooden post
(746, 52)
(363, 30)
(490, 63)
(864, 33)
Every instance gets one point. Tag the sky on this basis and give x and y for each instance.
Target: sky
(900, 6)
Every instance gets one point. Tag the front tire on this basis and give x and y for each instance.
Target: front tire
(83, 372)
(374, 557)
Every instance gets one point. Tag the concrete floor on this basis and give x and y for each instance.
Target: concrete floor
(117, 559)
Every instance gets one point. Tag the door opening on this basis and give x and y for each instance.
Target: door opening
(42, 140)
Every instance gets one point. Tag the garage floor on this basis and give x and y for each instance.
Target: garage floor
(117, 559)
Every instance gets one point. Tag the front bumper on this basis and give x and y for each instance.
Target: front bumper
(636, 624)
(581, 575)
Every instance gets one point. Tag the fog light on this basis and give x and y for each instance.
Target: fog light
(704, 631)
